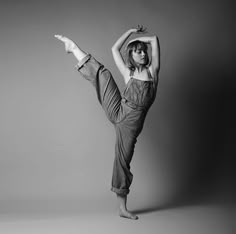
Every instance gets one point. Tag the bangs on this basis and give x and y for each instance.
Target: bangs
(138, 45)
(141, 46)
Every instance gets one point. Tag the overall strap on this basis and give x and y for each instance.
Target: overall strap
(129, 82)
(153, 79)
(131, 73)
(149, 74)
(131, 76)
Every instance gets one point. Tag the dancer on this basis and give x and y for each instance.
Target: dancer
(127, 110)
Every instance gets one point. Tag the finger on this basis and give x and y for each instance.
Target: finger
(59, 37)
(144, 30)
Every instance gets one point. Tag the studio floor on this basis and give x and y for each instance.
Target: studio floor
(195, 219)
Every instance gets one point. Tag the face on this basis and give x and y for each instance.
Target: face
(139, 56)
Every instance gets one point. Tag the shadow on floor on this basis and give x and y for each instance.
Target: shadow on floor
(178, 203)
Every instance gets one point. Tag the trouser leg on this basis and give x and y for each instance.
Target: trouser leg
(124, 150)
(107, 91)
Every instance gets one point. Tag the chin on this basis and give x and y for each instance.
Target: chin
(143, 63)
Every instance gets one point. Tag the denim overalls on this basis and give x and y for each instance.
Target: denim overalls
(127, 112)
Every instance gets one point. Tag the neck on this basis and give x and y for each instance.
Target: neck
(140, 68)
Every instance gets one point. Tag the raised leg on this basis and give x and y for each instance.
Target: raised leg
(72, 47)
(107, 91)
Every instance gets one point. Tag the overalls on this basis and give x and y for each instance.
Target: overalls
(126, 112)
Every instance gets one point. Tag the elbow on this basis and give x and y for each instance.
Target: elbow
(155, 42)
(115, 48)
(115, 51)
(155, 38)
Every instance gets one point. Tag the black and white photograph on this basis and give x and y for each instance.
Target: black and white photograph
(117, 116)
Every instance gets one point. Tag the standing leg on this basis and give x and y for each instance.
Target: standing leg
(122, 176)
(123, 212)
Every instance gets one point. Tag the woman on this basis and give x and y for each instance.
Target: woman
(127, 111)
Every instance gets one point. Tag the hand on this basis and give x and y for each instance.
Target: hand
(141, 29)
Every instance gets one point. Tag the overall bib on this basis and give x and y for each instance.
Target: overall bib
(127, 112)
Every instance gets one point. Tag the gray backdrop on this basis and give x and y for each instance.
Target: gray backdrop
(56, 145)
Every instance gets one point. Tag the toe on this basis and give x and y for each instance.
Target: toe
(60, 37)
(125, 214)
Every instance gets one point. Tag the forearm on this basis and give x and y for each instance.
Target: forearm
(153, 41)
(120, 42)
(150, 40)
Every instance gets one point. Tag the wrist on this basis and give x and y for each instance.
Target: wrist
(132, 30)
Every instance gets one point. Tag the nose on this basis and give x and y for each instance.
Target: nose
(143, 53)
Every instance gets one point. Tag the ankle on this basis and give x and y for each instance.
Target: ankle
(78, 53)
(122, 208)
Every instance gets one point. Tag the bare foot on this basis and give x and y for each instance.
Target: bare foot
(126, 214)
(70, 46)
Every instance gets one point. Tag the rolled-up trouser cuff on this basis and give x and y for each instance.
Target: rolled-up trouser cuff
(120, 191)
(83, 61)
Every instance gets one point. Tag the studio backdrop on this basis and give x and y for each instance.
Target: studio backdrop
(56, 144)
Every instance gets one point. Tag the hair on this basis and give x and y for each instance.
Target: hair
(133, 46)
